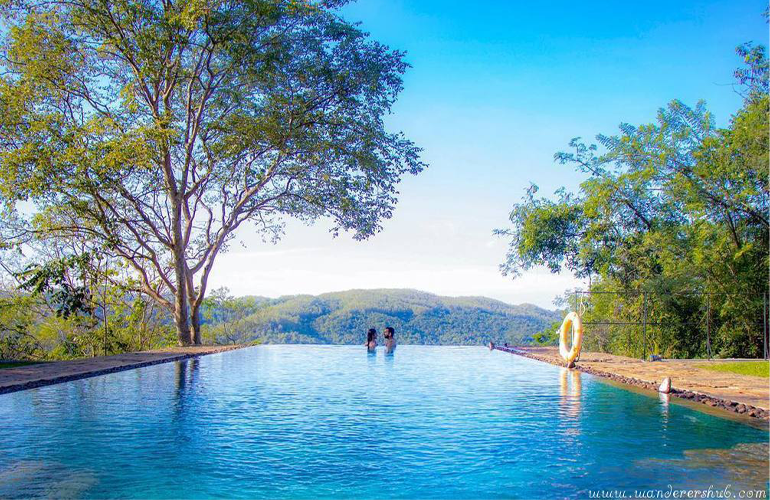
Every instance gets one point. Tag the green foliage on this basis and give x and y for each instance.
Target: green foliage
(151, 131)
(30, 329)
(77, 306)
(755, 75)
(549, 335)
(14, 364)
(16, 316)
(672, 214)
(753, 368)
(52, 280)
(223, 316)
(344, 318)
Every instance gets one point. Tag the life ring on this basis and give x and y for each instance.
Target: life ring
(572, 323)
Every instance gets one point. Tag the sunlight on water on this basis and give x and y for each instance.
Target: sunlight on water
(331, 421)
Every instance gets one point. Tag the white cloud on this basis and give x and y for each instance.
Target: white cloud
(442, 243)
(312, 271)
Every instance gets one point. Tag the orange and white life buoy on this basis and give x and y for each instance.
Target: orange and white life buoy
(572, 324)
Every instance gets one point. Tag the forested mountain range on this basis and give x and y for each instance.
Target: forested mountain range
(344, 317)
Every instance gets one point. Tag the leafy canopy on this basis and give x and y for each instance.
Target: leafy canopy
(154, 129)
(672, 208)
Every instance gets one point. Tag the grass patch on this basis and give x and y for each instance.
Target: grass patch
(755, 368)
(15, 364)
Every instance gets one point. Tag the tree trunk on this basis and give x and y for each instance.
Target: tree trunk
(181, 314)
(196, 299)
(195, 321)
(181, 320)
(181, 300)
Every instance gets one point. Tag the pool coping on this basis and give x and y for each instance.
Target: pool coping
(56, 372)
(728, 405)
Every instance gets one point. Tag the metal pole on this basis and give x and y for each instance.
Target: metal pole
(708, 325)
(644, 329)
(631, 334)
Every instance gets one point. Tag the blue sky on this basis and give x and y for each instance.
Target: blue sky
(497, 88)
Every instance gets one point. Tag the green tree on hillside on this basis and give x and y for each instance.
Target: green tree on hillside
(151, 130)
(224, 316)
(677, 209)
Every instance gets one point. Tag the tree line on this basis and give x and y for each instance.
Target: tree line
(35, 327)
(670, 228)
(345, 317)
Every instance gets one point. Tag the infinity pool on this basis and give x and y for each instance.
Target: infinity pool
(310, 421)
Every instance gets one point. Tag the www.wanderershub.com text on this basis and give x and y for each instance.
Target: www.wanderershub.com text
(711, 492)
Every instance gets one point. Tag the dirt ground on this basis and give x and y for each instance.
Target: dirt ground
(27, 377)
(731, 391)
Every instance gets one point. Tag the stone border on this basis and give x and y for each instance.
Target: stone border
(42, 382)
(697, 397)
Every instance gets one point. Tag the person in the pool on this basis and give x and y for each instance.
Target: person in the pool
(390, 339)
(371, 339)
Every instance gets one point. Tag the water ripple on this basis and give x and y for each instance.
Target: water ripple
(331, 422)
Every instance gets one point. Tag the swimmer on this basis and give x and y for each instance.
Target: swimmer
(390, 339)
(371, 339)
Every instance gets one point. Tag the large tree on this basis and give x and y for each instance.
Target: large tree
(154, 129)
(675, 210)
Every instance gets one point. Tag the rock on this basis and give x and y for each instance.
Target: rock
(665, 386)
(571, 364)
(753, 412)
(740, 408)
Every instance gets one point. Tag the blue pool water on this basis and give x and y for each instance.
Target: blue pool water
(331, 422)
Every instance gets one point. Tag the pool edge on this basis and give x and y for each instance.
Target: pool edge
(24, 384)
(733, 407)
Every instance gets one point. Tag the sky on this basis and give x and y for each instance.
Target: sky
(495, 89)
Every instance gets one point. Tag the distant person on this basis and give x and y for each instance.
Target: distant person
(390, 339)
(371, 339)
(491, 346)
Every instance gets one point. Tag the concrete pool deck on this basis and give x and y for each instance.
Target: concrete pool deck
(54, 372)
(743, 394)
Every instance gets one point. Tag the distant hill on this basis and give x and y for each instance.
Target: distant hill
(344, 318)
